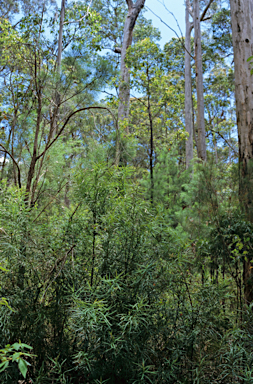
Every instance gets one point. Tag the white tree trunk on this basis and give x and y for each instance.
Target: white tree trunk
(199, 84)
(242, 31)
(124, 87)
(59, 56)
(55, 114)
(188, 91)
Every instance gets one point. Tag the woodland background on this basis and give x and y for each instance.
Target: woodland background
(126, 215)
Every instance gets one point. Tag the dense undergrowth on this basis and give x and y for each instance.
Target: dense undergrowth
(116, 290)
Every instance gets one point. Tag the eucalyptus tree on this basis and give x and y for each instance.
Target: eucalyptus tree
(134, 9)
(242, 26)
(197, 18)
(188, 89)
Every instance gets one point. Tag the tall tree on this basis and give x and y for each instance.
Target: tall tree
(134, 10)
(242, 27)
(188, 89)
(59, 56)
(199, 83)
(197, 19)
(58, 68)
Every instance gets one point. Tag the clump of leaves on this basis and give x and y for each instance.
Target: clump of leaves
(15, 353)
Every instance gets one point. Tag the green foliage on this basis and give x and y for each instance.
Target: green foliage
(15, 353)
(250, 61)
(105, 286)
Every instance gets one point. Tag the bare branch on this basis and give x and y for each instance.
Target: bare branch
(14, 161)
(190, 10)
(205, 10)
(171, 30)
(172, 14)
(207, 18)
(59, 190)
(66, 122)
(58, 273)
(226, 141)
(84, 16)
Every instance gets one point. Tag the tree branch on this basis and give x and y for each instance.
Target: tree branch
(206, 9)
(190, 10)
(66, 122)
(81, 19)
(14, 161)
(60, 270)
(129, 4)
(59, 190)
(172, 14)
(139, 4)
(171, 30)
(226, 141)
(207, 18)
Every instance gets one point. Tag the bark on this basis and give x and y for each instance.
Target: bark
(55, 115)
(134, 10)
(188, 90)
(3, 149)
(59, 56)
(151, 150)
(199, 83)
(34, 159)
(242, 27)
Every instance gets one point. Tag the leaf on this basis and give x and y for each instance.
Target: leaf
(4, 365)
(16, 356)
(26, 346)
(16, 346)
(22, 367)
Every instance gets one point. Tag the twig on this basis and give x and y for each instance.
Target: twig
(174, 17)
(59, 190)
(14, 161)
(72, 215)
(58, 273)
(66, 122)
(171, 30)
(78, 21)
(218, 133)
(205, 10)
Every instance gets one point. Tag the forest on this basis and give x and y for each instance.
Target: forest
(126, 193)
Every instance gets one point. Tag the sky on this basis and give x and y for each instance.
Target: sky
(174, 6)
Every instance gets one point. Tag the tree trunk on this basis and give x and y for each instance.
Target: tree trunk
(124, 87)
(151, 150)
(188, 91)
(242, 31)
(34, 159)
(199, 84)
(55, 115)
(59, 56)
